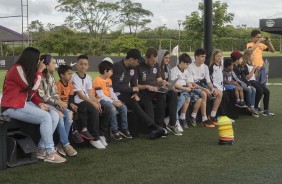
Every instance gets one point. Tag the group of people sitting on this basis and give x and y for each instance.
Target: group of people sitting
(148, 86)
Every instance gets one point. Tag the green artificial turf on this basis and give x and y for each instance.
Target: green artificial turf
(195, 157)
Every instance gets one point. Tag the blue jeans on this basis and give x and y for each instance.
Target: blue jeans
(63, 127)
(250, 93)
(180, 101)
(113, 116)
(33, 114)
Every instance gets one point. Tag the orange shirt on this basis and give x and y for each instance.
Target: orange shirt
(103, 84)
(64, 90)
(258, 61)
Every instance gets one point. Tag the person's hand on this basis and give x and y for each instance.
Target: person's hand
(135, 89)
(261, 39)
(176, 90)
(74, 107)
(117, 103)
(208, 92)
(135, 97)
(97, 106)
(62, 105)
(188, 89)
(151, 88)
(41, 66)
(44, 106)
(165, 83)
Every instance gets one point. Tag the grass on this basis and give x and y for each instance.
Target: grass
(194, 157)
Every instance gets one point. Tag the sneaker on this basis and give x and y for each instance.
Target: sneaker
(156, 133)
(213, 120)
(253, 111)
(60, 149)
(166, 120)
(180, 129)
(267, 113)
(193, 121)
(166, 132)
(103, 141)
(116, 136)
(54, 157)
(174, 130)
(126, 134)
(238, 104)
(70, 151)
(243, 104)
(86, 135)
(41, 153)
(98, 144)
(76, 137)
(183, 123)
(207, 123)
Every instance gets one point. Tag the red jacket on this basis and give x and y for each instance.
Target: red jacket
(15, 91)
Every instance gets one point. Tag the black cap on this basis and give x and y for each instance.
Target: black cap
(135, 54)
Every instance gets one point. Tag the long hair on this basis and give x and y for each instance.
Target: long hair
(215, 52)
(163, 65)
(246, 56)
(29, 60)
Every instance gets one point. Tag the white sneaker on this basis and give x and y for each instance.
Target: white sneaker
(166, 120)
(97, 144)
(103, 140)
(180, 129)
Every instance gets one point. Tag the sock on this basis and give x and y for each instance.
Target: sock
(213, 113)
(204, 118)
(183, 116)
(83, 129)
(194, 115)
(238, 100)
(242, 100)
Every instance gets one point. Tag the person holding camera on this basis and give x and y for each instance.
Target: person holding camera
(257, 47)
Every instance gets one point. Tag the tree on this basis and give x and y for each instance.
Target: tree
(193, 24)
(91, 15)
(124, 43)
(134, 16)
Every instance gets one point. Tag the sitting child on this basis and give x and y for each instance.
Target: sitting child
(230, 84)
(108, 99)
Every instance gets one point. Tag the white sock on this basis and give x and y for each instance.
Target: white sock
(204, 118)
(213, 113)
(183, 116)
(194, 115)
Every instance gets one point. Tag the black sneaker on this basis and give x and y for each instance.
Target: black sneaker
(193, 121)
(86, 135)
(243, 104)
(156, 133)
(76, 137)
(207, 123)
(126, 134)
(213, 120)
(183, 123)
(238, 104)
(116, 136)
(166, 132)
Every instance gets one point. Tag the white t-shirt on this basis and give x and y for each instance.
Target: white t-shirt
(199, 73)
(183, 76)
(250, 68)
(217, 77)
(82, 84)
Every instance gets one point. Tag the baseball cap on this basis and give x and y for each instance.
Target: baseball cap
(236, 55)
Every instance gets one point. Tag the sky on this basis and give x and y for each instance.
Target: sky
(166, 12)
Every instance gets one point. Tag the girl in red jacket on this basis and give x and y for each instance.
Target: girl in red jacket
(21, 102)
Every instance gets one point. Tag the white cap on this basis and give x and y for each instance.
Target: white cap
(108, 59)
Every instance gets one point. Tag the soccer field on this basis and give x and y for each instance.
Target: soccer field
(194, 157)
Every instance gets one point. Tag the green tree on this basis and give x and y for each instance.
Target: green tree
(124, 43)
(134, 16)
(91, 15)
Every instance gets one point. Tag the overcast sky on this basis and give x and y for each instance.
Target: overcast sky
(165, 11)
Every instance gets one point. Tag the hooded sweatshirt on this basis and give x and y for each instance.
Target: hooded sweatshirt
(165, 69)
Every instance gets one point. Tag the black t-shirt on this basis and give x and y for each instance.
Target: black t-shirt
(147, 75)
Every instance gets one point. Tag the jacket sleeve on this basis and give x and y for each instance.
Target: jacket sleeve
(53, 92)
(35, 99)
(118, 86)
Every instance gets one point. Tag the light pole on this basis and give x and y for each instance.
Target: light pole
(179, 25)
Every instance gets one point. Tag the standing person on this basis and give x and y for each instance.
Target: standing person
(48, 92)
(239, 77)
(21, 102)
(125, 85)
(88, 105)
(65, 91)
(149, 78)
(171, 95)
(104, 91)
(201, 80)
(257, 47)
(186, 93)
(251, 71)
